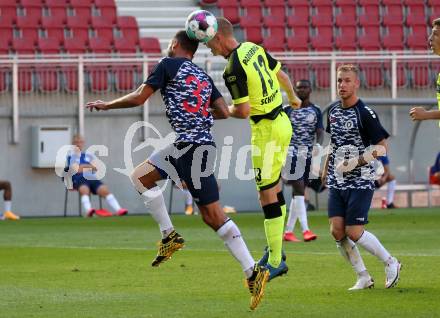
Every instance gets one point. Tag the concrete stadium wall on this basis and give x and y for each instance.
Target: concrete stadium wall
(39, 192)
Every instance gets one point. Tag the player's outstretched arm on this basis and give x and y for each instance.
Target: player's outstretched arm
(219, 109)
(133, 99)
(287, 86)
(241, 110)
(419, 113)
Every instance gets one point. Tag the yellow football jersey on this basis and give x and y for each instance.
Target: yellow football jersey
(250, 75)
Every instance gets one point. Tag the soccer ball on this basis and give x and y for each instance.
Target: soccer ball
(201, 25)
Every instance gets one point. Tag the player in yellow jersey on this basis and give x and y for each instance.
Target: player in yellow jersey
(419, 113)
(254, 79)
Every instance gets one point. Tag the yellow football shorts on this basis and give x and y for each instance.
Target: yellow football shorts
(270, 141)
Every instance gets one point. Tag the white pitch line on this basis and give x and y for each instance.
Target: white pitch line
(194, 250)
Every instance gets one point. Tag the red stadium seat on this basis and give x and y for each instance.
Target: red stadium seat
(75, 45)
(230, 10)
(298, 43)
(129, 28)
(25, 79)
(47, 78)
(393, 41)
(5, 40)
(370, 16)
(107, 8)
(394, 15)
(252, 8)
(49, 45)
(277, 8)
(100, 45)
(323, 40)
(53, 21)
(252, 28)
(103, 27)
(8, 16)
(321, 74)
(98, 78)
(323, 16)
(347, 16)
(293, 3)
(124, 45)
(419, 73)
(416, 15)
(372, 74)
(276, 26)
(69, 76)
(56, 3)
(391, 2)
(23, 45)
(402, 76)
(253, 35)
(370, 39)
(30, 17)
(149, 45)
(82, 8)
(297, 71)
(417, 41)
(435, 13)
(4, 83)
(78, 21)
(298, 17)
(126, 77)
(274, 44)
(56, 33)
(346, 40)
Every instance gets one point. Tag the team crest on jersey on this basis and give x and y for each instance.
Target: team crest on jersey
(348, 124)
(310, 118)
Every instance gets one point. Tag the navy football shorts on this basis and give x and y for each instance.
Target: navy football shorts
(351, 204)
(192, 163)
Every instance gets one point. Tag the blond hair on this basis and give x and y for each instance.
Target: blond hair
(348, 68)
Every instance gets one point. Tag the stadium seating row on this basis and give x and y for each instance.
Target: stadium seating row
(326, 25)
(70, 26)
(124, 78)
(121, 78)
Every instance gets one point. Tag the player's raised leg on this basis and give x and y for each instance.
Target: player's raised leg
(144, 178)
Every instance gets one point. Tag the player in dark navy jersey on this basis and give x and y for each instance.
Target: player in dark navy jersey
(192, 103)
(307, 124)
(357, 138)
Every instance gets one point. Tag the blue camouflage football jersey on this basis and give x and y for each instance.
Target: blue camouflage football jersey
(352, 130)
(305, 122)
(187, 92)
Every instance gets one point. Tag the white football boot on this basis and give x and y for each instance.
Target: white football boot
(392, 271)
(363, 282)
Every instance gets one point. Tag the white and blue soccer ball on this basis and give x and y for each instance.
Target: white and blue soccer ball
(201, 25)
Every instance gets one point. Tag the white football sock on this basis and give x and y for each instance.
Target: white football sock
(390, 191)
(85, 200)
(293, 216)
(111, 200)
(155, 203)
(370, 242)
(8, 205)
(300, 207)
(231, 235)
(350, 252)
(188, 197)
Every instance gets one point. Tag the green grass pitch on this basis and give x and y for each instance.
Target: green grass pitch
(75, 267)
